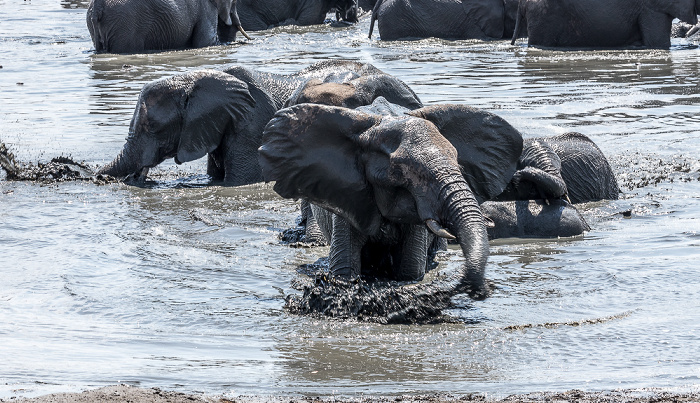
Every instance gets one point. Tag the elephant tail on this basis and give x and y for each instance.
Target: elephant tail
(375, 13)
(518, 22)
(95, 14)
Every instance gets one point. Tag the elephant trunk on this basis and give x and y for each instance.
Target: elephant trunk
(123, 165)
(463, 217)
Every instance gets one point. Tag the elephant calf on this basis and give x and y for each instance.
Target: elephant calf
(569, 165)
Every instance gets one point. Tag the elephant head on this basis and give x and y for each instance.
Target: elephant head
(356, 92)
(185, 116)
(228, 15)
(684, 10)
(375, 171)
(346, 10)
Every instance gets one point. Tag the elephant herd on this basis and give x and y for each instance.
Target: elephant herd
(133, 26)
(385, 181)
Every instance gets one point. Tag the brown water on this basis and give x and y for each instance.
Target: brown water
(181, 286)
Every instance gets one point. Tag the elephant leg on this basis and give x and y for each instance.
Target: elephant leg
(413, 260)
(205, 33)
(312, 232)
(215, 165)
(345, 257)
(655, 29)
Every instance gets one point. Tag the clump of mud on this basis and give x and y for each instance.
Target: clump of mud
(636, 170)
(59, 169)
(368, 300)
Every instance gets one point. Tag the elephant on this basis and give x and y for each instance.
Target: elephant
(569, 165)
(221, 114)
(448, 19)
(259, 15)
(366, 5)
(598, 24)
(533, 219)
(683, 30)
(133, 26)
(390, 184)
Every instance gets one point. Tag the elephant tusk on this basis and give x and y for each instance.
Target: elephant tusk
(436, 229)
(566, 197)
(242, 31)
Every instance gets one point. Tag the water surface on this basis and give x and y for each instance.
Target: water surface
(181, 286)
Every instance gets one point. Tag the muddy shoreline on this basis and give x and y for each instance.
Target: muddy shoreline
(125, 393)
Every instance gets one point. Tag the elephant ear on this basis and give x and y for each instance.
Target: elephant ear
(214, 100)
(487, 146)
(312, 151)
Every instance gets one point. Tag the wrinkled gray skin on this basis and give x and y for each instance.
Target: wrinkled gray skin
(258, 15)
(219, 113)
(395, 98)
(533, 219)
(133, 26)
(387, 178)
(569, 165)
(448, 19)
(603, 24)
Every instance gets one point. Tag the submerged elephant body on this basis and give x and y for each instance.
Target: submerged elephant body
(449, 19)
(221, 114)
(132, 26)
(533, 219)
(569, 165)
(603, 23)
(258, 15)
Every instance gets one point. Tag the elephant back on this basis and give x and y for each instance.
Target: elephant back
(584, 168)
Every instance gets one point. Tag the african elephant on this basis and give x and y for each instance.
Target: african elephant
(219, 113)
(601, 24)
(390, 184)
(568, 165)
(533, 219)
(448, 19)
(258, 15)
(133, 26)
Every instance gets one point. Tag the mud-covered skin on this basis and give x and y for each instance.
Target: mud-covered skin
(59, 169)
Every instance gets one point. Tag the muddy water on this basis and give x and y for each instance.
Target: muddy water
(181, 285)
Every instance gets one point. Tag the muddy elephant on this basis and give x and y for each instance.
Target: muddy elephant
(258, 15)
(533, 219)
(389, 184)
(567, 166)
(221, 114)
(597, 24)
(448, 19)
(133, 26)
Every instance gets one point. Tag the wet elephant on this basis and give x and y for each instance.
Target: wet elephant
(216, 113)
(601, 24)
(449, 19)
(533, 219)
(389, 184)
(133, 26)
(569, 165)
(258, 15)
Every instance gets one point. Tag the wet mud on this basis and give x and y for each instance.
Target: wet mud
(365, 299)
(58, 169)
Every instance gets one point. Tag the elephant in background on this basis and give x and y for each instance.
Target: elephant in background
(533, 219)
(221, 114)
(448, 19)
(684, 30)
(258, 15)
(598, 24)
(569, 165)
(133, 26)
(390, 184)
